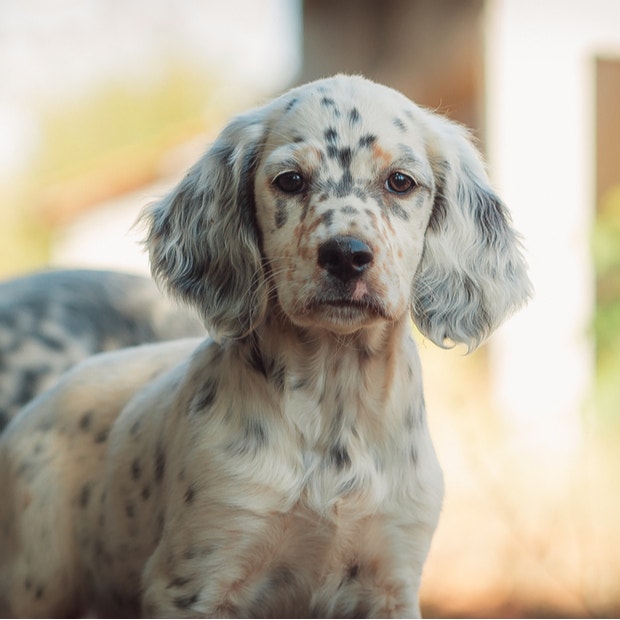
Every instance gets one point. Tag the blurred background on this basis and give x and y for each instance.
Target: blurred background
(105, 103)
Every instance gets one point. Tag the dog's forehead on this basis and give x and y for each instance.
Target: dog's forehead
(341, 107)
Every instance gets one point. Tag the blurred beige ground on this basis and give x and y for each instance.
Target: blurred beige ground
(520, 535)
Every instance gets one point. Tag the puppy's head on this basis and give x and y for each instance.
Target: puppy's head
(347, 205)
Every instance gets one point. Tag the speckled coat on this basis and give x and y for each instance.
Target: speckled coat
(285, 468)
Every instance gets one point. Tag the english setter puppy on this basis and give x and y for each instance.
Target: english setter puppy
(283, 468)
(51, 320)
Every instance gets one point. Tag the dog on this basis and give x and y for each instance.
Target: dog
(283, 467)
(53, 319)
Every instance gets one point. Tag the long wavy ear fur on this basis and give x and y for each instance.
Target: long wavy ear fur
(472, 274)
(202, 238)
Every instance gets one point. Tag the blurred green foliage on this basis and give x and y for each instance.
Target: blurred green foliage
(606, 251)
(118, 116)
(115, 134)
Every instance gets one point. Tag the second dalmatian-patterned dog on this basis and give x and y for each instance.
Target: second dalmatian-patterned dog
(283, 468)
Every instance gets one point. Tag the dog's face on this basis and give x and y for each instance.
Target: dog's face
(347, 205)
(343, 199)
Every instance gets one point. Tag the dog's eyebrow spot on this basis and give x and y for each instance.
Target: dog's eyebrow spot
(367, 140)
(349, 210)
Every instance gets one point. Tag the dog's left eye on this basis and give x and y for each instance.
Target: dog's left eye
(290, 182)
(399, 183)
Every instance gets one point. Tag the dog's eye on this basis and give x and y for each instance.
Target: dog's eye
(290, 182)
(399, 183)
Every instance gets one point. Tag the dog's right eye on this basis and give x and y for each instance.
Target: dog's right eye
(290, 182)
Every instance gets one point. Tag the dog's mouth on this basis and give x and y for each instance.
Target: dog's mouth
(345, 310)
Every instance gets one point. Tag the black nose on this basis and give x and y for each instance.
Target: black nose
(346, 258)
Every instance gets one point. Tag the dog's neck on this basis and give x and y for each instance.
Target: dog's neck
(338, 382)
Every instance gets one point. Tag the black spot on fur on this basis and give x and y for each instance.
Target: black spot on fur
(353, 572)
(85, 421)
(349, 210)
(327, 217)
(206, 396)
(398, 123)
(190, 493)
(184, 602)
(254, 431)
(273, 370)
(331, 135)
(136, 469)
(291, 104)
(102, 435)
(354, 116)
(344, 157)
(340, 457)
(328, 102)
(367, 140)
(345, 185)
(397, 210)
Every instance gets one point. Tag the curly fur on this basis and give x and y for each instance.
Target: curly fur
(283, 468)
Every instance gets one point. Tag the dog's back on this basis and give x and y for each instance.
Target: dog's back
(51, 320)
(47, 458)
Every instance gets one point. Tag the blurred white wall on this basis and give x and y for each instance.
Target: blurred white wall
(540, 63)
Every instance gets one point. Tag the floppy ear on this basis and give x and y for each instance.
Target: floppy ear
(472, 274)
(202, 238)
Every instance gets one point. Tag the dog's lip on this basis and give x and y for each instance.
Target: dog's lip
(367, 305)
